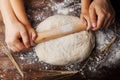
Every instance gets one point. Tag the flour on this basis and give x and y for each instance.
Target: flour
(67, 28)
(65, 50)
(65, 7)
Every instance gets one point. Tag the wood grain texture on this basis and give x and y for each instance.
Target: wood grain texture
(99, 66)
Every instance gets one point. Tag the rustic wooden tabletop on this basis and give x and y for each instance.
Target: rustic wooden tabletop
(103, 63)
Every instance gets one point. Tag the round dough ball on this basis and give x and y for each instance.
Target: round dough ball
(69, 49)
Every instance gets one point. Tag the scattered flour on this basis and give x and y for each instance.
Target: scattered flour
(65, 50)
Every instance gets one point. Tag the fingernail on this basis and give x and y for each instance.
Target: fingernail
(94, 24)
(33, 36)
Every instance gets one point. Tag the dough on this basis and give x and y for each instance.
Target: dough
(69, 49)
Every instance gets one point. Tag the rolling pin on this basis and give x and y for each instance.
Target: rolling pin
(59, 32)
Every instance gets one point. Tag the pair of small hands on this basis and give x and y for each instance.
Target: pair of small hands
(99, 15)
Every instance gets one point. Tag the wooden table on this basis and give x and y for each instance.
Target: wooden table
(98, 66)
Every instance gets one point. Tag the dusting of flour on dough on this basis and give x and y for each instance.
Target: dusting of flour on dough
(65, 50)
(67, 28)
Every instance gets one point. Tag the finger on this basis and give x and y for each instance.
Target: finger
(34, 35)
(88, 23)
(13, 48)
(93, 17)
(106, 22)
(9, 47)
(113, 21)
(25, 38)
(83, 20)
(100, 22)
(20, 45)
(110, 22)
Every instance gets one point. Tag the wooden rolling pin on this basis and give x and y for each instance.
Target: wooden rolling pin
(59, 32)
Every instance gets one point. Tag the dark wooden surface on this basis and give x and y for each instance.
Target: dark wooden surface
(99, 66)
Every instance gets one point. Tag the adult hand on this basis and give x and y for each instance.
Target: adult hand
(101, 14)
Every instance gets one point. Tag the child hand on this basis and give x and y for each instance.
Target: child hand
(18, 37)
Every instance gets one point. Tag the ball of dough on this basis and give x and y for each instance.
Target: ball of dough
(69, 49)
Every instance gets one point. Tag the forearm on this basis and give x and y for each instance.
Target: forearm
(18, 7)
(85, 5)
(7, 12)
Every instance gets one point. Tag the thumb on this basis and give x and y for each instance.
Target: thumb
(34, 35)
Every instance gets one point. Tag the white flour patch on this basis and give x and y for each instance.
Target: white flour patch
(67, 28)
(68, 49)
